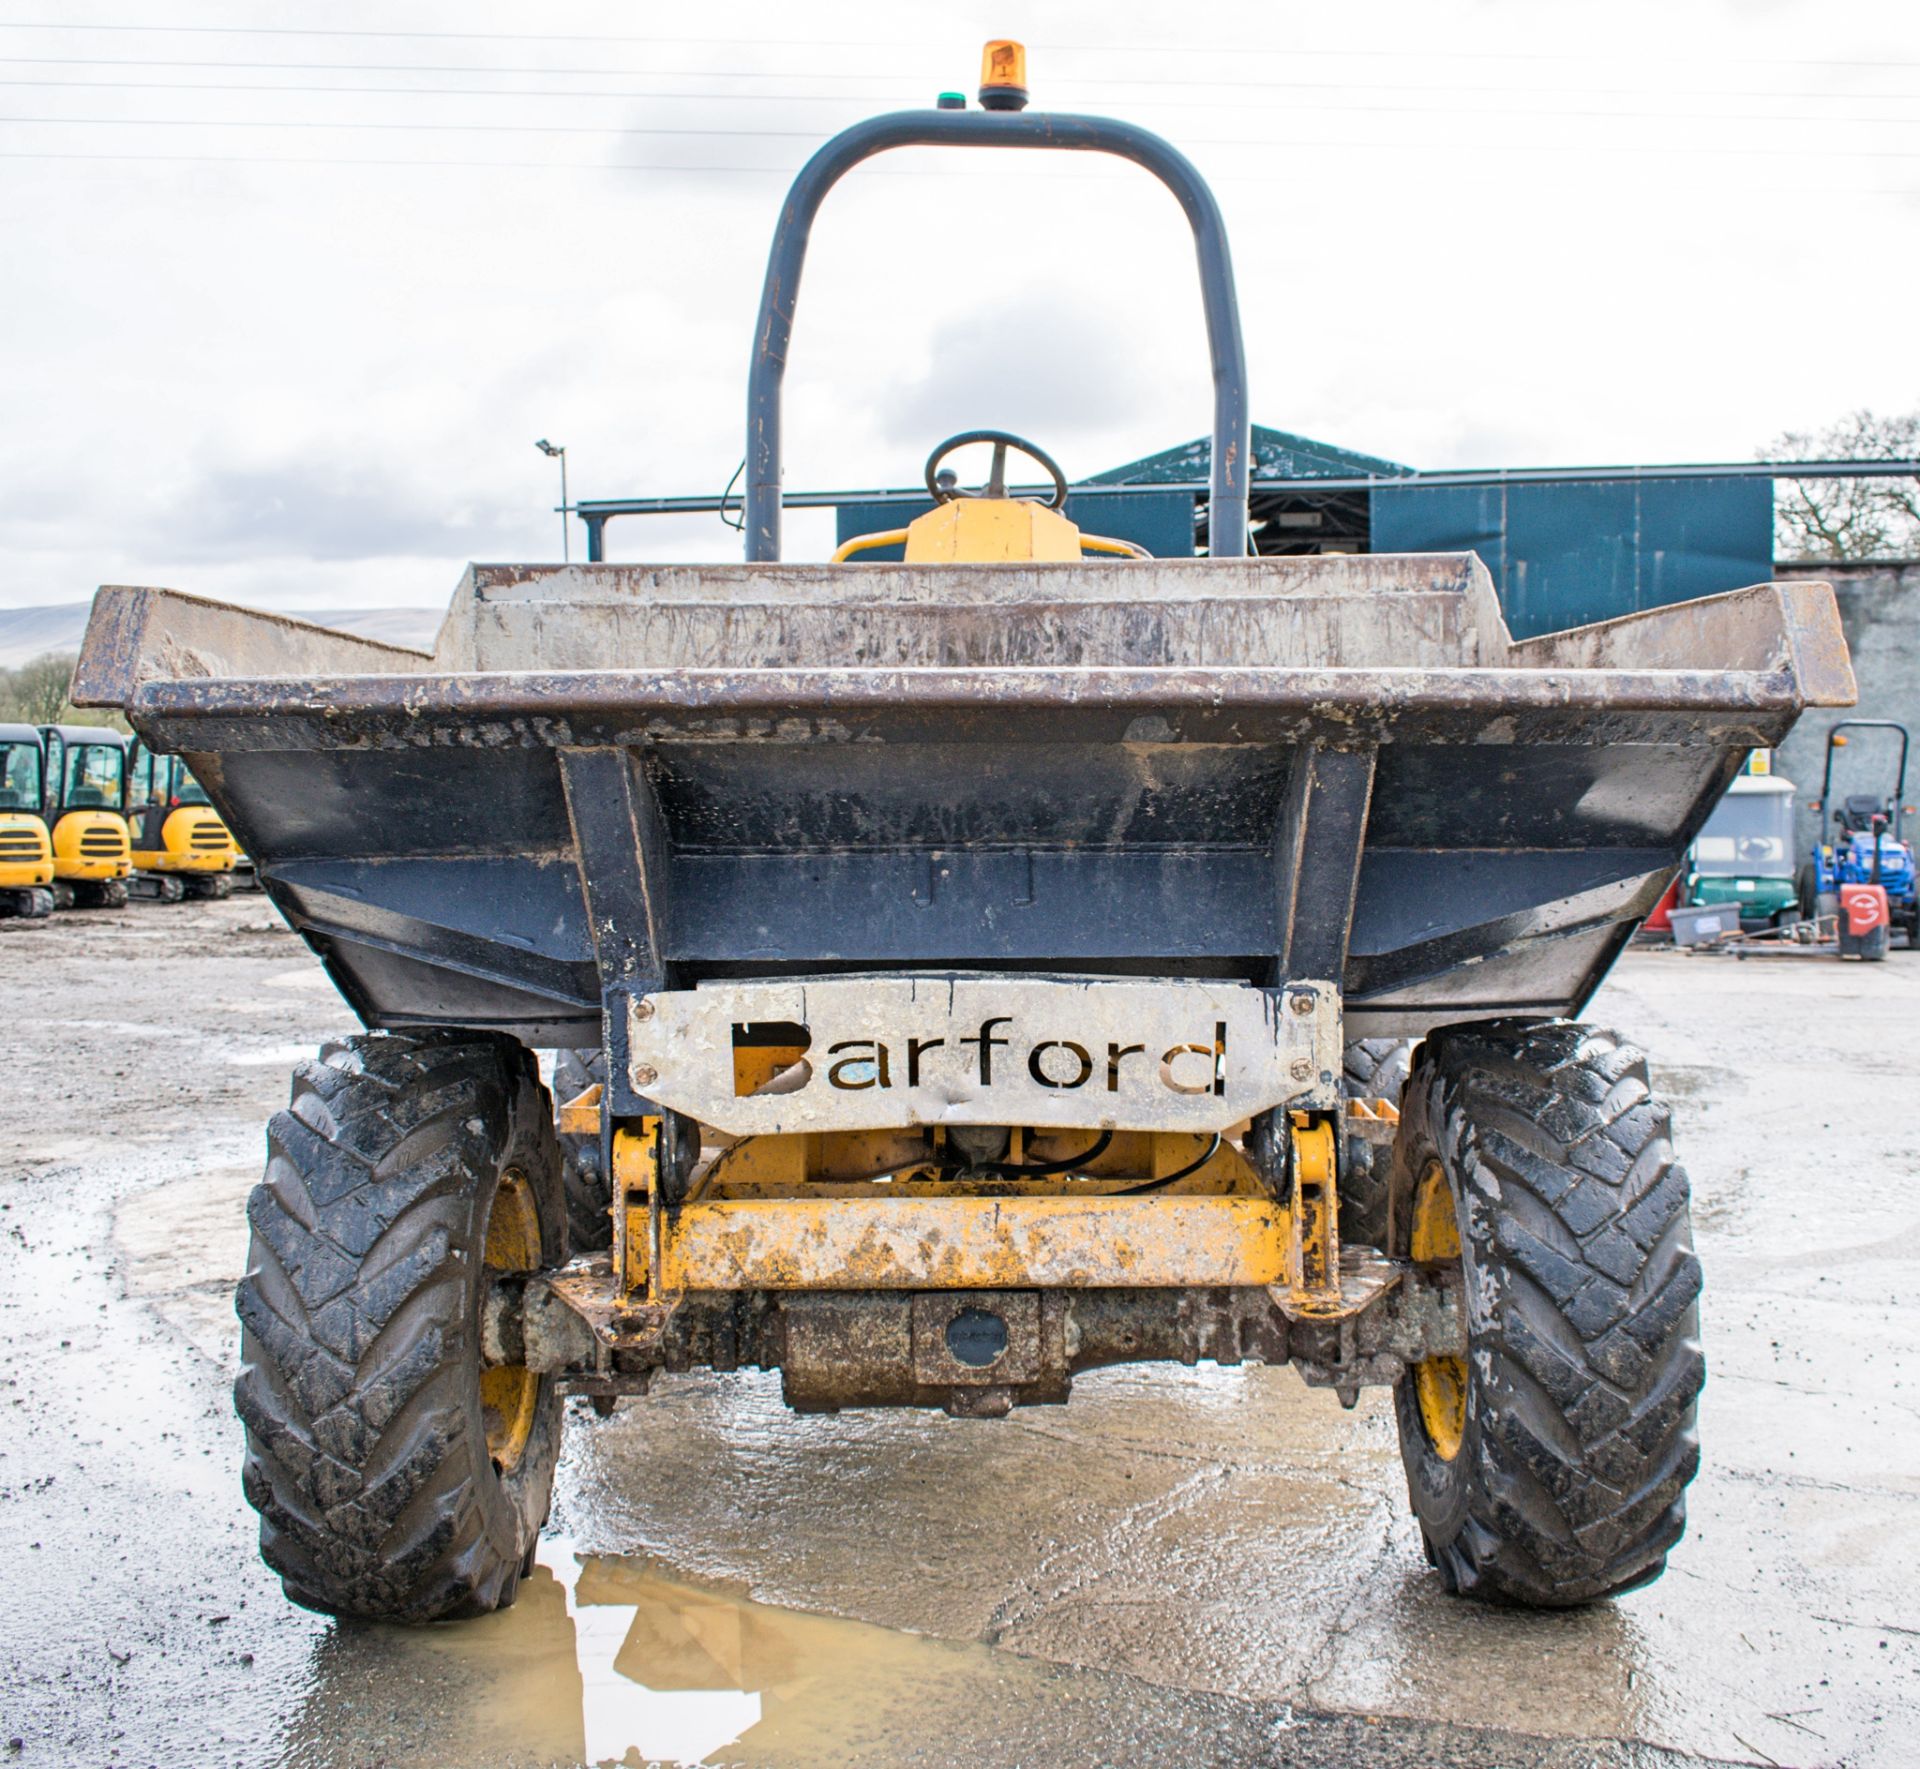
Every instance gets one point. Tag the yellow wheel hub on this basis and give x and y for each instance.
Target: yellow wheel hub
(510, 1393)
(1440, 1383)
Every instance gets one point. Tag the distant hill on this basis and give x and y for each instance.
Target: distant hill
(27, 633)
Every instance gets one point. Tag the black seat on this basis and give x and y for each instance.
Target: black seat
(1858, 810)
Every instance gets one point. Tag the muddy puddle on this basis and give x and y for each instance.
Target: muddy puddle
(613, 1660)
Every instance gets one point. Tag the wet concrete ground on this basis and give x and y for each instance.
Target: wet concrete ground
(1205, 1566)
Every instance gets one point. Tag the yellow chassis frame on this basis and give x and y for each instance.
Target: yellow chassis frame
(849, 1212)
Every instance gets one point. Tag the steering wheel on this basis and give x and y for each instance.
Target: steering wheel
(944, 490)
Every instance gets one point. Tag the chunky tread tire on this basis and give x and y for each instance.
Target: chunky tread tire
(1583, 1339)
(360, 1313)
(582, 1174)
(1374, 1068)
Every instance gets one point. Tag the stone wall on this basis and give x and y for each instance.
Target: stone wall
(1880, 609)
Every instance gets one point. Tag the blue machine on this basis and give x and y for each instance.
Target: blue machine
(1867, 846)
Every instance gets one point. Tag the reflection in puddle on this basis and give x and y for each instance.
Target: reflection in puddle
(670, 1673)
(613, 1661)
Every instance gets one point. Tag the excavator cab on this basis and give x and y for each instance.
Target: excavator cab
(180, 846)
(26, 854)
(85, 770)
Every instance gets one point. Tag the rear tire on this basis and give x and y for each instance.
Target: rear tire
(1375, 1068)
(1870, 948)
(1573, 1442)
(582, 1174)
(392, 1482)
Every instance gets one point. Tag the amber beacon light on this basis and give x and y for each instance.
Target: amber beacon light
(1003, 76)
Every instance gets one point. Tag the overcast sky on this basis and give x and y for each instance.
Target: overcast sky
(285, 308)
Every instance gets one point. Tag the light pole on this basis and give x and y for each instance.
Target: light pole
(566, 535)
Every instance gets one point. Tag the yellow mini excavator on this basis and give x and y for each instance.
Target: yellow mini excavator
(85, 774)
(26, 854)
(180, 846)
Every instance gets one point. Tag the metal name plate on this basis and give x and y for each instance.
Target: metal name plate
(875, 1053)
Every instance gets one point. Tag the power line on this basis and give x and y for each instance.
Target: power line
(1611, 148)
(762, 98)
(469, 36)
(1240, 51)
(785, 173)
(895, 77)
(374, 67)
(424, 128)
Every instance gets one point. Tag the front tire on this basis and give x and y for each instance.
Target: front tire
(1548, 1467)
(396, 1479)
(1374, 1068)
(582, 1173)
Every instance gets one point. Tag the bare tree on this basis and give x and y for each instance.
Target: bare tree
(39, 689)
(1848, 518)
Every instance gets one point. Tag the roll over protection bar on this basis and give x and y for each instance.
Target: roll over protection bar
(1227, 495)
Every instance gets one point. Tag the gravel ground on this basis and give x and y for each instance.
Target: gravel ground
(1185, 1566)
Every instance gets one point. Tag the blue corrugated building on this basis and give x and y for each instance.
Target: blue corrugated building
(1562, 552)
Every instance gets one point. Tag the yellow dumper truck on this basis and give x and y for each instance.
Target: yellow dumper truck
(973, 946)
